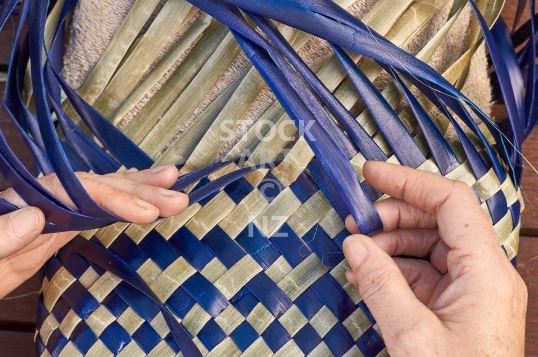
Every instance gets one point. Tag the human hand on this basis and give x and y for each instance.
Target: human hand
(135, 196)
(450, 290)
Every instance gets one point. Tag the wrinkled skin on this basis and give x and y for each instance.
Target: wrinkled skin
(435, 279)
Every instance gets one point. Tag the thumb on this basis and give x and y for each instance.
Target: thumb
(384, 289)
(19, 228)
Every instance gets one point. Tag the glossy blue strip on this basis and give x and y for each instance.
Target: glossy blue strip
(223, 181)
(114, 140)
(327, 20)
(390, 125)
(444, 102)
(195, 176)
(258, 246)
(358, 135)
(531, 101)
(443, 154)
(191, 248)
(333, 162)
(269, 294)
(205, 294)
(95, 157)
(111, 262)
(338, 340)
(509, 77)
(223, 247)
(86, 149)
(329, 191)
(330, 22)
(244, 336)
(300, 87)
(275, 336)
(13, 101)
(291, 247)
(73, 187)
(8, 7)
(333, 296)
(323, 246)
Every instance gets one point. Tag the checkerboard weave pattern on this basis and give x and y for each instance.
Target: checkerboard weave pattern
(244, 272)
(256, 269)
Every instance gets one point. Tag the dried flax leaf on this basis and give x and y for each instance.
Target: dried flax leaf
(331, 73)
(233, 116)
(181, 113)
(182, 110)
(282, 121)
(391, 93)
(164, 29)
(180, 149)
(122, 40)
(139, 126)
(401, 33)
(172, 59)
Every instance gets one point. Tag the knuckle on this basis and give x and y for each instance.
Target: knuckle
(462, 189)
(83, 175)
(49, 180)
(459, 186)
(508, 287)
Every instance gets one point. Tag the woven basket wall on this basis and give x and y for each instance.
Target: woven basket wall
(256, 268)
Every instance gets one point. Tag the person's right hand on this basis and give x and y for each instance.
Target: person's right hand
(451, 289)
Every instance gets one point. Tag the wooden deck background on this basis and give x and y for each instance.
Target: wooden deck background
(17, 312)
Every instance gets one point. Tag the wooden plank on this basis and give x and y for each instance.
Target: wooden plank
(530, 150)
(530, 186)
(509, 13)
(5, 42)
(530, 178)
(15, 140)
(18, 310)
(17, 344)
(528, 268)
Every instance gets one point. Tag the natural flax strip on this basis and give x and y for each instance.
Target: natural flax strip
(209, 247)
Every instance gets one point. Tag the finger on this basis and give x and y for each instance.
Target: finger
(417, 243)
(462, 223)
(398, 214)
(164, 176)
(421, 276)
(168, 202)
(123, 204)
(19, 228)
(421, 189)
(383, 288)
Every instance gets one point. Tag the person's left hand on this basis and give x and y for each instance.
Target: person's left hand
(135, 196)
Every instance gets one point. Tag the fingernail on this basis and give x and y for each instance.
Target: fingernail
(145, 205)
(160, 169)
(131, 170)
(355, 251)
(25, 222)
(171, 194)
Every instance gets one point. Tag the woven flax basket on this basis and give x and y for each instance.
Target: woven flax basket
(254, 265)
